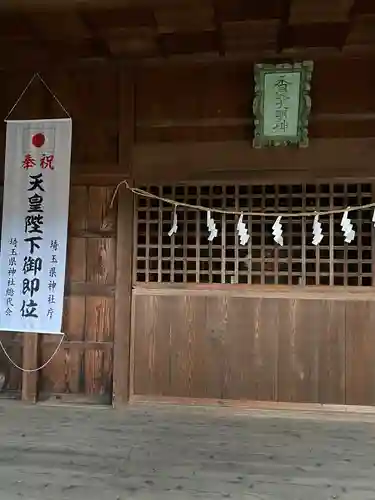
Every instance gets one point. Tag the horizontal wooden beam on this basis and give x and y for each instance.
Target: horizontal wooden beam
(257, 291)
(99, 179)
(243, 122)
(328, 412)
(89, 289)
(45, 59)
(76, 345)
(92, 234)
(321, 125)
(316, 54)
(93, 174)
(51, 5)
(225, 161)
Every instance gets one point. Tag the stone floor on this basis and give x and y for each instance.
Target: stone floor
(179, 453)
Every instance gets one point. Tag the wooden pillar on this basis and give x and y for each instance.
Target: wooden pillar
(121, 347)
(30, 361)
(124, 258)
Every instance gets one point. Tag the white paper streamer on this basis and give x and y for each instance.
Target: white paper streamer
(242, 231)
(174, 227)
(211, 227)
(277, 231)
(373, 218)
(317, 231)
(347, 228)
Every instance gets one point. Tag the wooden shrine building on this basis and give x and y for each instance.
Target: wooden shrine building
(160, 93)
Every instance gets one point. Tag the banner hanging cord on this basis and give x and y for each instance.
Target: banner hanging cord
(37, 75)
(32, 370)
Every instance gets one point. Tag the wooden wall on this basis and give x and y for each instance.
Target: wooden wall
(177, 123)
(199, 117)
(83, 368)
(204, 343)
(214, 103)
(85, 364)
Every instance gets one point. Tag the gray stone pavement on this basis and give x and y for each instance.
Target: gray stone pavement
(166, 452)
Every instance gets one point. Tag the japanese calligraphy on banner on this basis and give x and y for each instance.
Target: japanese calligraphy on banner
(34, 225)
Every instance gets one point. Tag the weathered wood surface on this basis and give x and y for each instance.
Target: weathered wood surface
(225, 161)
(215, 108)
(220, 346)
(187, 123)
(217, 100)
(113, 31)
(124, 249)
(123, 302)
(84, 364)
(14, 345)
(157, 453)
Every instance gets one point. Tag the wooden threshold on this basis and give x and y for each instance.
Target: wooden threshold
(254, 405)
(259, 291)
(52, 399)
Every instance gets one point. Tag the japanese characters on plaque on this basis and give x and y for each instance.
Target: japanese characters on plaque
(34, 227)
(282, 104)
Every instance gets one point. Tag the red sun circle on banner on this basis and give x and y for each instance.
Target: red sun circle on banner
(38, 140)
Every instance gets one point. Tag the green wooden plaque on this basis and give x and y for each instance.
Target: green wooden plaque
(282, 104)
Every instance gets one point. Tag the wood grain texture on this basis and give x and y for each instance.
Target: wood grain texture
(217, 100)
(216, 108)
(225, 161)
(298, 352)
(228, 343)
(74, 318)
(360, 351)
(13, 344)
(101, 263)
(252, 340)
(332, 347)
(77, 259)
(99, 319)
(101, 217)
(98, 372)
(144, 345)
(124, 249)
(224, 348)
(78, 206)
(30, 362)
(55, 377)
(241, 348)
(337, 293)
(122, 321)
(83, 367)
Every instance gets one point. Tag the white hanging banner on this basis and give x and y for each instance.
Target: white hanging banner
(34, 225)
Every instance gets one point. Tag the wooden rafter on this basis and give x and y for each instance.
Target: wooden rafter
(283, 29)
(184, 28)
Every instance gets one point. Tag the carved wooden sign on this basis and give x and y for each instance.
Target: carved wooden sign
(282, 104)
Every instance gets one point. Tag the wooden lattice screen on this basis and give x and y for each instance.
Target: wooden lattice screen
(188, 257)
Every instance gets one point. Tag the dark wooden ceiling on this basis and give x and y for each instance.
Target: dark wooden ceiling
(42, 31)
